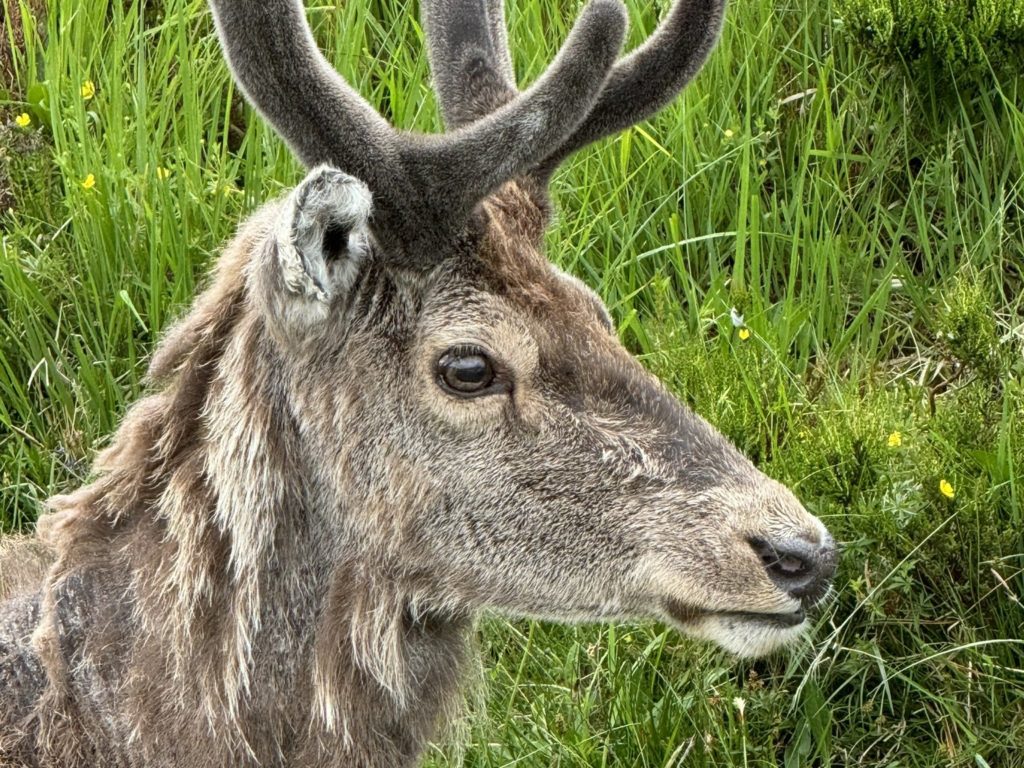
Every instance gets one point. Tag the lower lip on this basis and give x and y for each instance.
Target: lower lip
(778, 619)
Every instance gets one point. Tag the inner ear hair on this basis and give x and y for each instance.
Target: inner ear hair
(314, 237)
(327, 205)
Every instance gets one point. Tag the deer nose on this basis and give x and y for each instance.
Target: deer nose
(801, 567)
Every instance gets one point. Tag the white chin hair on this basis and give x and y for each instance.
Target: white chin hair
(742, 636)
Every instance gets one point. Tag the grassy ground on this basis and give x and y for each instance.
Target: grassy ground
(869, 230)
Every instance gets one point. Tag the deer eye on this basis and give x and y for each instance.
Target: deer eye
(466, 372)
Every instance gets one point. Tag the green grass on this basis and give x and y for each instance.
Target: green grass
(870, 231)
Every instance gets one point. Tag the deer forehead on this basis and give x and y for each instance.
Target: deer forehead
(507, 292)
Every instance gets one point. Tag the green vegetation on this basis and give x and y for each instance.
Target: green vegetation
(939, 37)
(871, 235)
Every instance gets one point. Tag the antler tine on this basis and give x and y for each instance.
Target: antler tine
(499, 35)
(472, 68)
(513, 139)
(647, 79)
(468, 49)
(277, 64)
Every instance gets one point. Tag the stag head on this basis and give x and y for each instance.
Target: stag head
(462, 410)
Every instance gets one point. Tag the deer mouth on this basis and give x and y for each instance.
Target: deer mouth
(794, 619)
(687, 614)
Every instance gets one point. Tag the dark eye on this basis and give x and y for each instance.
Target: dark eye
(465, 372)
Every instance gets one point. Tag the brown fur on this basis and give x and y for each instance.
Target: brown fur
(202, 611)
(281, 554)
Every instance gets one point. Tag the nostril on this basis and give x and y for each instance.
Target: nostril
(779, 559)
(789, 565)
(796, 565)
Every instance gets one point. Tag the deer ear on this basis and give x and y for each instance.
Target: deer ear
(322, 235)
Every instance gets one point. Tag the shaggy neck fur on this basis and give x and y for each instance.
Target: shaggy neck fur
(245, 623)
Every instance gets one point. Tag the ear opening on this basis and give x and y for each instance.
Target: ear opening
(335, 241)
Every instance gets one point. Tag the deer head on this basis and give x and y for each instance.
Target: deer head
(462, 411)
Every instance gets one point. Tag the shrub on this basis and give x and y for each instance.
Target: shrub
(968, 330)
(941, 37)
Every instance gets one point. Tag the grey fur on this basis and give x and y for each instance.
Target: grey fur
(328, 206)
(469, 57)
(282, 552)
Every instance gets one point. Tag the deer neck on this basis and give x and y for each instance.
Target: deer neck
(385, 675)
(314, 617)
(282, 637)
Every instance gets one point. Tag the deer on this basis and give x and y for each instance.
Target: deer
(387, 413)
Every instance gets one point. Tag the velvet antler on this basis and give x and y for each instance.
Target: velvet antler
(423, 186)
(470, 61)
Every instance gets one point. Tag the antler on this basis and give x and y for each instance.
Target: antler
(420, 183)
(469, 61)
(467, 45)
(650, 77)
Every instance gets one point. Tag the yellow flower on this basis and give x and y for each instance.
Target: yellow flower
(23, 120)
(895, 440)
(88, 89)
(89, 182)
(163, 173)
(728, 133)
(744, 334)
(946, 489)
